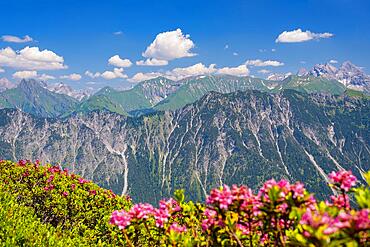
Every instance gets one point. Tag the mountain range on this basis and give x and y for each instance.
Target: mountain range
(348, 74)
(197, 133)
(164, 94)
(235, 138)
(32, 96)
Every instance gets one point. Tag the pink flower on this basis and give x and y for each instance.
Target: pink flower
(243, 229)
(171, 205)
(210, 220)
(362, 220)
(282, 207)
(73, 186)
(82, 181)
(92, 192)
(50, 179)
(141, 211)
(298, 190)
(315, 219)
(120, 219)
(344, 179)
(177, 228)
(340, 201)
(65, 193)
(222, 197)
(54, 169)
(22, 162)
(50, 187)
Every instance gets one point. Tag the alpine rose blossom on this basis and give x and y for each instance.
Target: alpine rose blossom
(345, 179)
(177, 228)
(222, 197)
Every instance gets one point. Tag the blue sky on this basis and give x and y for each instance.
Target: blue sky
(225, 33)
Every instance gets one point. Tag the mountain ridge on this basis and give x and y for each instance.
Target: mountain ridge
(241, 137)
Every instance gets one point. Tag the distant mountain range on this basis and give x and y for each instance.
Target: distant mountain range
(236, 138)
(165, 94)
(196, 133)
(348, 74)
(62, 88)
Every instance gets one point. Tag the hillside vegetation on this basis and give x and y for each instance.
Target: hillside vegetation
(47, 206)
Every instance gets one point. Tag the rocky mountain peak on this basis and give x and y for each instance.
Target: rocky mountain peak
(31, 85)
(302, 72)
(348, 74)
(349, 67)
(63, 88)
(278, 77)
(326, 69)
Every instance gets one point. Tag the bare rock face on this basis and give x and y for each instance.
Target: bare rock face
(238, 138)
(62, 88)
(348, 74)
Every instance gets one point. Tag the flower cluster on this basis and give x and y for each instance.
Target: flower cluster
(66, 202)
(354, 220)
(143, 211)
(279, 213)
(344, 179)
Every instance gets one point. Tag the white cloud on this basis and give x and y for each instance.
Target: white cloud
(260, 63)
(264, 71)
(118, 33)
(177, 73)
(45, 77)
(170, 45)
(299, 36)
(119, 62)
(2, 70)
(15, 39)
(333, 61)
(241, 70)
(196, 69)
(273, 50)
(235, 54)
(152, 62)
(25, 74)
(144, 76)
(31, 58)
(91, 83)
(72, 77)
(262, 50)
(108, 75)
(92, 75)
(226, 46)
(116, 73)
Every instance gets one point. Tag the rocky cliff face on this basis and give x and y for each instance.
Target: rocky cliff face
(348, 74)
(62, 88)
(241, 138)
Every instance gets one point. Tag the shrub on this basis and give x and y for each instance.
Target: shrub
(280, 214)
(64, 201)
